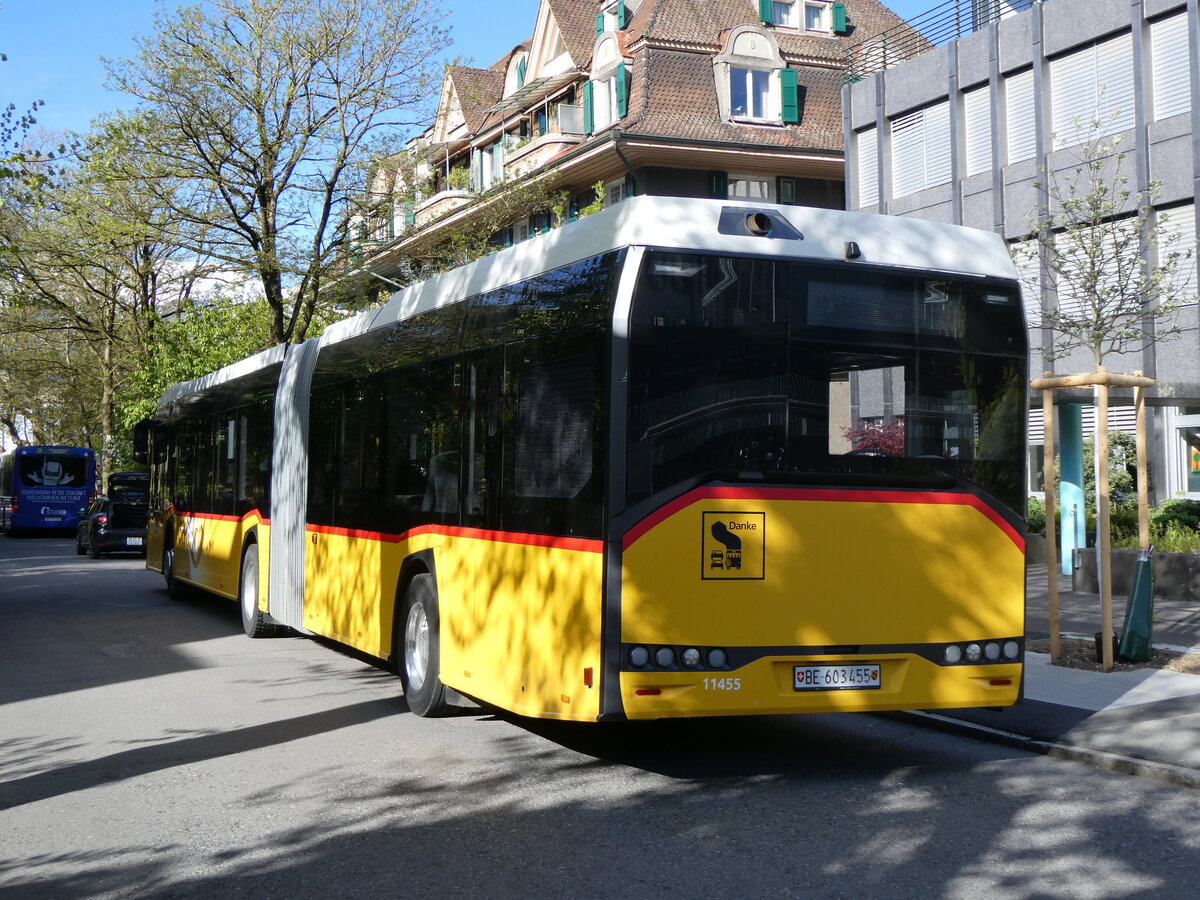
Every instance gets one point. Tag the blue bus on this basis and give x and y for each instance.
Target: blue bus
(46, 487)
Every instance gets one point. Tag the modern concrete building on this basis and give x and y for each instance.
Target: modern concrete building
(974, 130)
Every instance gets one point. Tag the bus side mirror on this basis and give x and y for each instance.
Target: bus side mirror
(141, 441)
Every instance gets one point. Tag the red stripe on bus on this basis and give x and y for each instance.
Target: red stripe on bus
(216, 517)
(826, 495)
(584, 545)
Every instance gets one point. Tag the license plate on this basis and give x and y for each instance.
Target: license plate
(838, 678)
(133, 542)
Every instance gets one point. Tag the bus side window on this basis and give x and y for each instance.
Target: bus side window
(405, 442)
(322, 453)
(441, 451)
(552, 488)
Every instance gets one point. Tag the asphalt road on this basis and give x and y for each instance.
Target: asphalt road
(150, 750)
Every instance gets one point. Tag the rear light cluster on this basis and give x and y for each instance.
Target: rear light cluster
(981, 653)
(101, 520)
(642, 657)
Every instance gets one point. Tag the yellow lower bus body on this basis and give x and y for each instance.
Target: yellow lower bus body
(519, 617)
(208, 549)
(786, 578)
(774, 578)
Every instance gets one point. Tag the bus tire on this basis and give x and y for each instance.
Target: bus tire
(168, 570)
(417, 653)
(254, 620)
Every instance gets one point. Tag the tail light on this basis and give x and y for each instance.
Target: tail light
(101, 520)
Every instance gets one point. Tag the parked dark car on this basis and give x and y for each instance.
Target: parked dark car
(116, 522)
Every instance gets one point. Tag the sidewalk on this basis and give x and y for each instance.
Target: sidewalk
(1144, 722)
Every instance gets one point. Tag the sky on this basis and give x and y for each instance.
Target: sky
(54, 48)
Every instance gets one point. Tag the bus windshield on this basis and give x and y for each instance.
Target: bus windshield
(801, 371)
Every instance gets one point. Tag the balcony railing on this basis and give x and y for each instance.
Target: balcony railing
(920, 34)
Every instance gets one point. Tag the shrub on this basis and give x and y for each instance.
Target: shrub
(1175, 537)
(1035, 516)
(1183, 512)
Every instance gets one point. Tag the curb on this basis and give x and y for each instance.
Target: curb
(1181, 776)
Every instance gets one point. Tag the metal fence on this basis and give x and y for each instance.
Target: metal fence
(920, 34)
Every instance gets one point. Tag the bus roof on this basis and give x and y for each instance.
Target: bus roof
(689, 224)
(669, 223)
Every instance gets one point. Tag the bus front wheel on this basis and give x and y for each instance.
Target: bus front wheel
(168, 570)
(417, 643)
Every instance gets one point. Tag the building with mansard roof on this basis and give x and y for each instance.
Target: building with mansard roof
(690, 98)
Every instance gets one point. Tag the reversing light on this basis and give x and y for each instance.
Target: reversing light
(639, 656)
(690, 657)
(991, 650)
(664, 656)
(1011, 649)
(953, 654)
(716, 658)
(974, 653)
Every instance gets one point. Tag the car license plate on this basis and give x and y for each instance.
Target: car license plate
(838, 678)
(133, 542)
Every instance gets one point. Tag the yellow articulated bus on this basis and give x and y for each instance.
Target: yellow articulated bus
(680, 458)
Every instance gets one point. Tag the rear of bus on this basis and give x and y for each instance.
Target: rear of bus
(823, 489)
(51, 487)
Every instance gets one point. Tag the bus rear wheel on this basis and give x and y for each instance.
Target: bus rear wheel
(254, 620)
(417, 649)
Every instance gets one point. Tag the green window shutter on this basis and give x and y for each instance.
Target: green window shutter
(599, 24)
(787, 191)
(839, 18)
(521, 73)
(410, 216)
(764, 11)
(789, 96)
(621, 20)
(622, 92)
(718, 185)
(497, 163)
(630, 186)
(477, 169)
(589, 111)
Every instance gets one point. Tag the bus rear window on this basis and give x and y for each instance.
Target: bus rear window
(53, 471)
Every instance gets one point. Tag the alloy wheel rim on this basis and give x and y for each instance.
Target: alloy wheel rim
(416, 646)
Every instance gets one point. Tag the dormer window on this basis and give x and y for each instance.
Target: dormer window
(605, 96)
(816, 17)
(785, 14)
(615, 14)
(750, 95)
(516, 74)
(809, 16)
(753, 84)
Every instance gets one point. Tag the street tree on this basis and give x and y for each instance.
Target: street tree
(267, 111)
(1114, 270)
(1115, 275)
(86, 280)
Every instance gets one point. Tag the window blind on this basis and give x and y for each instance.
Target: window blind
(1171, 66)
(1021, 116)
(977, 115)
